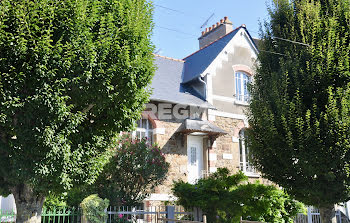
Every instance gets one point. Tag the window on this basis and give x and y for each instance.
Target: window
(144, 129)
(244, 163)
(241, 86)
(193, 155)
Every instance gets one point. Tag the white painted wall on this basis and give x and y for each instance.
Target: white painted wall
(7, 203)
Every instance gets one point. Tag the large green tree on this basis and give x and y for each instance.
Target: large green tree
(73, 74)
(300, 107)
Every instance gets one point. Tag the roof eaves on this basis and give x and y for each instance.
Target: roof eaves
(251, 39)
(205, 103)
(169, 58)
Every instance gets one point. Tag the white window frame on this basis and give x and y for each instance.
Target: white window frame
(244, 164)
(241, 80)
(147, 129)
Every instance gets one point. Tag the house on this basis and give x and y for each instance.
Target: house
(197, 112)
(197, 108)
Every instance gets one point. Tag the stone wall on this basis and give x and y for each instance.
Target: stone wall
(226, 148)
(223, 153)
(173, 145)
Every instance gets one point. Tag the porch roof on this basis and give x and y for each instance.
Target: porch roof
(192, 125)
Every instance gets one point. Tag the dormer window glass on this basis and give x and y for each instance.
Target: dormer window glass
(241, 86)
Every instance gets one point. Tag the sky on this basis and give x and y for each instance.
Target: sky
(177, 22)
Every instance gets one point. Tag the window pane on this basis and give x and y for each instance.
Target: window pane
(238, 86)
(193, 155)
(144, 123)
(240, 151)
(138, 134)
(246, 80)
(139, 123)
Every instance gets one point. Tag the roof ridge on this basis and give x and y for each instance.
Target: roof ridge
(212, 42)
(169, 58)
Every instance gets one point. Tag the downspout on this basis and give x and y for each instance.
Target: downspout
(209, 146)
(205, 86)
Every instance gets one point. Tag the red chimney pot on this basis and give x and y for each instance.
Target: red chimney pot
(225, 18)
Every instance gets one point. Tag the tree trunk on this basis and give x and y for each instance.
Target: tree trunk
(28, 204)
(328, 214)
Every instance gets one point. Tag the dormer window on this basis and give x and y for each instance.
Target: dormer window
(241, 86)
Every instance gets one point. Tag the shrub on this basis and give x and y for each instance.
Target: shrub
(224, 198)
(54, 201)
(136, 168)
(94, 208)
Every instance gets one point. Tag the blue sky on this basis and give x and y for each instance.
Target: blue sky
(187, 16)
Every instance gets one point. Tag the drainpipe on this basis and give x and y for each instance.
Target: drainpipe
(205, 88)
(209, 148)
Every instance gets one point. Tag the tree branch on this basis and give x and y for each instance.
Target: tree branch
(88, 108)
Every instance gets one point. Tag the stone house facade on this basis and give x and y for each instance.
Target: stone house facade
(197, 112)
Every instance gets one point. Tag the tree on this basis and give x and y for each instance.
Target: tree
(135, 169)
(73, 74)
(300, 105)
(226, 198)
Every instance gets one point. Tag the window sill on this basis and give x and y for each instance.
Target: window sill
(244, 103)
(251, 174)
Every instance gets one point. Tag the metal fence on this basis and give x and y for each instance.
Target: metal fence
(149, 214)
(7, 216)
(62, 215)
(313, 216)
(115, 215)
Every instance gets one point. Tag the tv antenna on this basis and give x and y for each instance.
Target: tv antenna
(206, 21)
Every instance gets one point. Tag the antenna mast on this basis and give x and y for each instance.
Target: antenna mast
(206, 21)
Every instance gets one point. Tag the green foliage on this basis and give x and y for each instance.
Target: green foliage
(54, 201)
(225, 198)
(300, 106)
(136, 168)
(73, 74)
(94, 208)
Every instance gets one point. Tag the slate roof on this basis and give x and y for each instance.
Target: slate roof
(196, 63)
(167, 85)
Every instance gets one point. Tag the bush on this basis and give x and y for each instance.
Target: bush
(94, 208)
(54, 201)
(224, 198)
(133, 172)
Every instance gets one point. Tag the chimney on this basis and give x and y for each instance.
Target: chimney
(221, 28)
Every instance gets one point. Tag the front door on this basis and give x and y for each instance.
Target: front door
(195, 157)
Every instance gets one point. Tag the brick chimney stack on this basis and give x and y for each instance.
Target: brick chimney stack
(215, 32)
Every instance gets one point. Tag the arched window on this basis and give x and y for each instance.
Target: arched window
(244, 163)
(241, 86)
(144, 129)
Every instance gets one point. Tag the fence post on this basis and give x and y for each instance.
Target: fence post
(170, 213)
(309, 215)
(204, 219)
